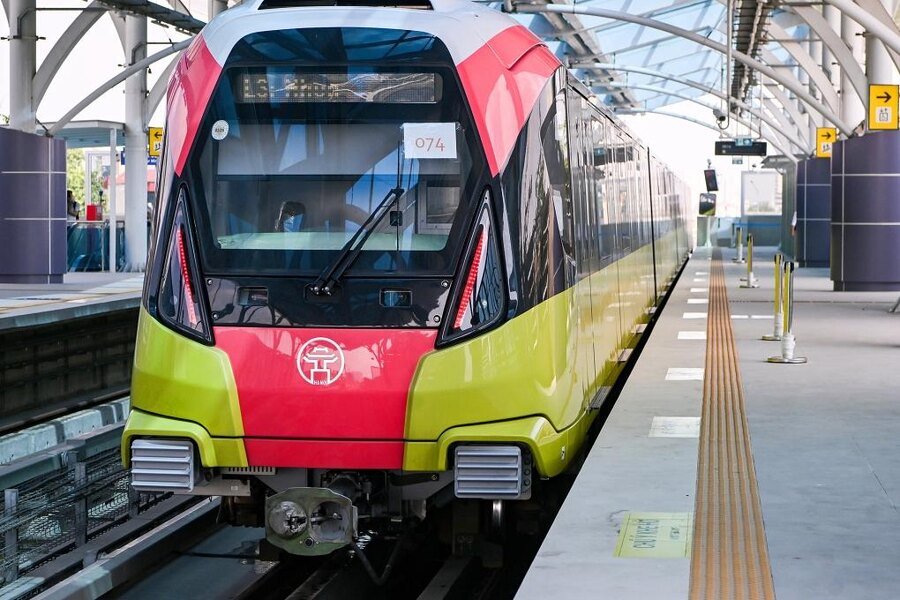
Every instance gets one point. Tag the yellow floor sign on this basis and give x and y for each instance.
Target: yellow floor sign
(655, 535)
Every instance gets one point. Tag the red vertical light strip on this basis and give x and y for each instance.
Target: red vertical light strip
(469, 290)
(186, 281)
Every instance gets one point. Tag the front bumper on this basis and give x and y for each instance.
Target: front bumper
(552, 450)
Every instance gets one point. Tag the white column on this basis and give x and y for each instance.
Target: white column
(113, 209)
(87, 183)
(135, 147)
(214, 7)
(806, 80)
(853, 110)
(879, 66)
(833, 18)
(22, 64)
(816, 52)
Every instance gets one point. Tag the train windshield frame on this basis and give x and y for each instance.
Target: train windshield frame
(292, 159)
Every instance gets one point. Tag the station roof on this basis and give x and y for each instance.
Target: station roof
(90, 134)
(638, 46)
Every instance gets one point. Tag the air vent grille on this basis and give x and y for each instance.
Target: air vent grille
(162, 465)
(491, 472)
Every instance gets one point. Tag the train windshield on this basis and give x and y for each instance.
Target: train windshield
(294, 162)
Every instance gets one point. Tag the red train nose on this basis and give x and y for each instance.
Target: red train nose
(323, 384)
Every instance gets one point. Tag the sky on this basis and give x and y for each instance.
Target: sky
(684, 146)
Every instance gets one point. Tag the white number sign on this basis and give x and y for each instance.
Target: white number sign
(429, 140)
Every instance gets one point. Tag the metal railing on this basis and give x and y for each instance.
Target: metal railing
(88, 245)
(51, 514)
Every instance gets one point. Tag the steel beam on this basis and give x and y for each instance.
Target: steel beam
(651, 88)
(114, 81)
(887, 32)
(801, 143)
(778, 146)
(807, 63)
(881, 10)
(840, 51)
(63, 46)
(788, 82)
(158, 91)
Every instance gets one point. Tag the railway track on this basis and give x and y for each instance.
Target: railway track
(176, 558)
(171, 551)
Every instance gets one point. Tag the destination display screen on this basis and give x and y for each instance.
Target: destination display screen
(733, 148)
(291, 86)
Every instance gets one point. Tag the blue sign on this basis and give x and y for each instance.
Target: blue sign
(151, 160)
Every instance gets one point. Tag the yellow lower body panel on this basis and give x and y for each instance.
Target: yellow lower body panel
(552, 450)
(214, 452)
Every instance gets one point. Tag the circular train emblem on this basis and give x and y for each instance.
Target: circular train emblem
(320, 361)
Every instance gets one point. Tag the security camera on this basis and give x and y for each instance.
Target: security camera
(719, 115)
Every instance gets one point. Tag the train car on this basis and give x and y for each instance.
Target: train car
(397, 256)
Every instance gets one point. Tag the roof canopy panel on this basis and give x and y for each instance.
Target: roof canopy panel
(631, 45)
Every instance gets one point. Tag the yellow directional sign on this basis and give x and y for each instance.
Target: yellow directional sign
(825, 139)
(155, 140)
(883, 104)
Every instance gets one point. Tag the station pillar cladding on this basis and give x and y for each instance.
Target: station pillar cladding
(32, 208)
(813, 212)
(865, 213)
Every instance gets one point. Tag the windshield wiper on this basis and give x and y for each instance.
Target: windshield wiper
(330, 275)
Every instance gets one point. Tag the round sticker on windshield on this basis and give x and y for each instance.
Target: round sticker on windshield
(220, 130)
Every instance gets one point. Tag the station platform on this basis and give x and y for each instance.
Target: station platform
(719, 475)
(80, 294)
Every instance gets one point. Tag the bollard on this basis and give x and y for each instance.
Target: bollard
(787, 340)
(750, 281)
(778, 327)
(740, 245)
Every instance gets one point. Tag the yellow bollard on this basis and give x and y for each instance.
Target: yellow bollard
(750, 280)
(778, 328)
(788, 343)
(786, 295)
(740, 245)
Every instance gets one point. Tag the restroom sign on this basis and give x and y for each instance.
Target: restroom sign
(883, 104)
(825, 139)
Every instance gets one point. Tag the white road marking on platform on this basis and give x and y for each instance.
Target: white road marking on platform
(693, 315)
(675, 427)
(740, 316)
(700, 280)
(699, 273)
(684, 374)
(699, 290)
(698, 300)
(762, 316)
(691, 335)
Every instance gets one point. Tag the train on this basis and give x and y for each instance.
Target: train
(398, 257)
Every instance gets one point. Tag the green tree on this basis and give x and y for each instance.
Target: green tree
(75, 177)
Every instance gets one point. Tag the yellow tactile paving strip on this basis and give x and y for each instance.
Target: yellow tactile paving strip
(729, 555)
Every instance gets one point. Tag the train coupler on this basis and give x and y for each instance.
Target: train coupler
(310, 521)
